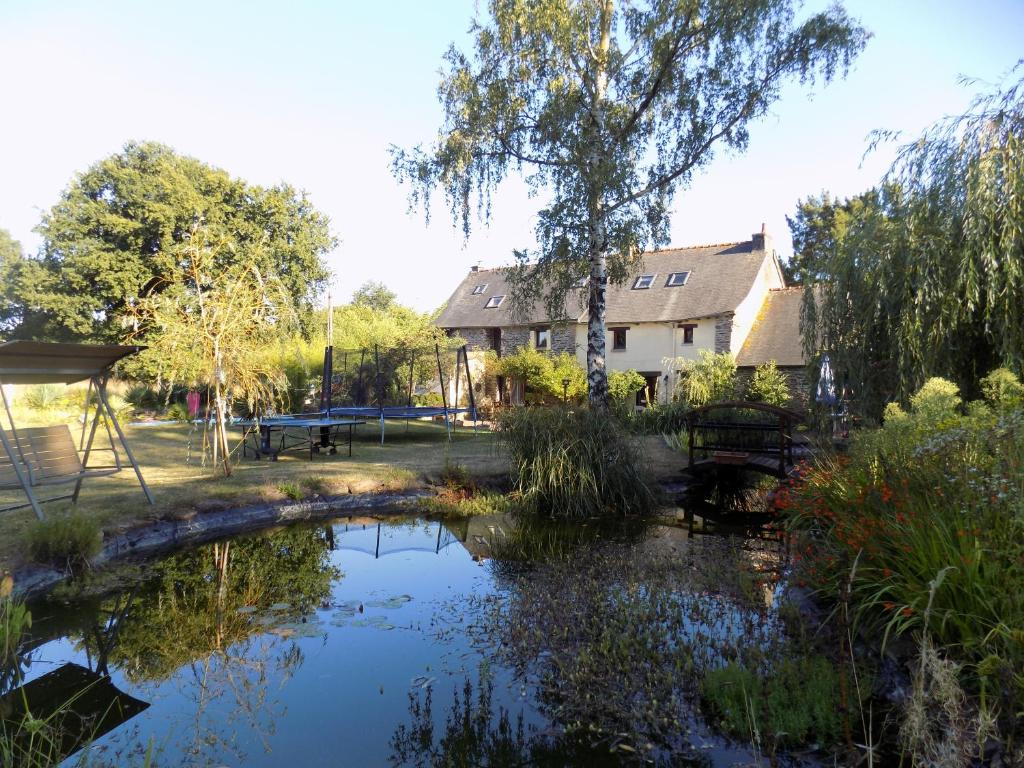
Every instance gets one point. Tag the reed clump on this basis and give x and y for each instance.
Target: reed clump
(575, 463)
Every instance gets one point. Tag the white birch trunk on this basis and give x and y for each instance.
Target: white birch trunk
(597, 373)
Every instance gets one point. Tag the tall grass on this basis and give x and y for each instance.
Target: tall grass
(575, 463)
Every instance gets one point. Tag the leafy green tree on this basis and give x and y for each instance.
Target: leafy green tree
(924, 275)
(12, 261)
(374, 295)
(768, 385)
(609, 108)
(112, 238)
(817, 225)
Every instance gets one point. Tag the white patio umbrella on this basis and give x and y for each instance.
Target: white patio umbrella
(826, 392)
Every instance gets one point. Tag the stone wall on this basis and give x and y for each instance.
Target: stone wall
(476, 338)
(514, 339)
(563, 339)
(723, 333)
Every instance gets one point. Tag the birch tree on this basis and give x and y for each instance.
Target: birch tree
(607, 108)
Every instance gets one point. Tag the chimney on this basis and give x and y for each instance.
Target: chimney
(760, 241)
(475, 268)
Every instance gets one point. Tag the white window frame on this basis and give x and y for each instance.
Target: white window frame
(648, 279)
(670, 283)
(494, 302)
(479, 288)
(536, 337)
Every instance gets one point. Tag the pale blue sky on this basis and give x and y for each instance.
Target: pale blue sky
(313, 93)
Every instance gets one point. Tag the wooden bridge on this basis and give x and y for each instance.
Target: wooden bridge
(753, 436)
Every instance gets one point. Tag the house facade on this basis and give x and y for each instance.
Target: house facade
(724, 298)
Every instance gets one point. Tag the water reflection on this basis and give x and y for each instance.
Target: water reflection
(332, 645)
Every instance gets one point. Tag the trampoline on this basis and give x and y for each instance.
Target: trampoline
(295, 432)
(378, 384)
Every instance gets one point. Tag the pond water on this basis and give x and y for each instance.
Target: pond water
(416, 642)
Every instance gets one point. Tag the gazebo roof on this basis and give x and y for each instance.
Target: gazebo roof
(38, 362)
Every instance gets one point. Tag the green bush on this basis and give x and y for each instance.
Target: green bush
(142, 397)
(575, 463)
(937, 401)
(623, 386)
(1003, 389)
(544, 373)
(768, 385)
(710, 379)
(797, 703)
(290, 490)
(178, 412)
(45, 397)
(67, 540)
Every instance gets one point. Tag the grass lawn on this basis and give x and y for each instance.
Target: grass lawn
(409, 456)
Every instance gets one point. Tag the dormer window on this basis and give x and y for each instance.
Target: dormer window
(494, 302)
(677, 278)
(644, 281)
(478, 289)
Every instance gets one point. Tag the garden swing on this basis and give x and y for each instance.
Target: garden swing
(35, 457)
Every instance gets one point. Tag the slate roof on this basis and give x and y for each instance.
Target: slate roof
(776, 331)
(720, 277)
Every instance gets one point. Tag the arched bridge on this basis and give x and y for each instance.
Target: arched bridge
(745, 435)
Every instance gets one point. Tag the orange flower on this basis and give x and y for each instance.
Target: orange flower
(887, 572)
(889, 606)
(907, 610)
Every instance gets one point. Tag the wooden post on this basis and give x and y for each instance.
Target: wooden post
(690, 427)
(469, 386)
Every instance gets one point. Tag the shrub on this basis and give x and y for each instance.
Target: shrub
(768, 385)
(68, 540)
(1003, 389)
(544, 373)
(937, 400)
(796, 703)
(45, 397)
(178, 412)
(710, 379)
(623, 386)
(142, 397)
(575, 463)
(290, 490)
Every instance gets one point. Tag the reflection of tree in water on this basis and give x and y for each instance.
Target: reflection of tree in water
(208, 609)
(475, 735)
(617, 637)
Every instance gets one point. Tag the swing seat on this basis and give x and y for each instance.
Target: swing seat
(47, 456)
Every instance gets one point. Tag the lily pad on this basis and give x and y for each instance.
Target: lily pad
(390, 603)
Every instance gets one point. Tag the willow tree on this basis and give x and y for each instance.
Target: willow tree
(215, 320)
(924, 276)
(609, 108)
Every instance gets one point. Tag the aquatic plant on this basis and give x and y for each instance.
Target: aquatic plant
(575, 463)
(797, 702)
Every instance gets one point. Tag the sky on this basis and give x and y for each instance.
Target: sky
(313, 92)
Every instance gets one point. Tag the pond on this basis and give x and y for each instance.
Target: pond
(414, 642)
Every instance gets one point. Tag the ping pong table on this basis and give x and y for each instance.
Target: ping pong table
(294, 432)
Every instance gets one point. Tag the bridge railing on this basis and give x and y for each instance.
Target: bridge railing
(731, 431)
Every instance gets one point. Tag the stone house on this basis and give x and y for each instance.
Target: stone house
(725, 298)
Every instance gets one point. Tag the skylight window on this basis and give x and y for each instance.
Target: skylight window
(478, 289)
(644, 281)
(677, 278)
(494, 302)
